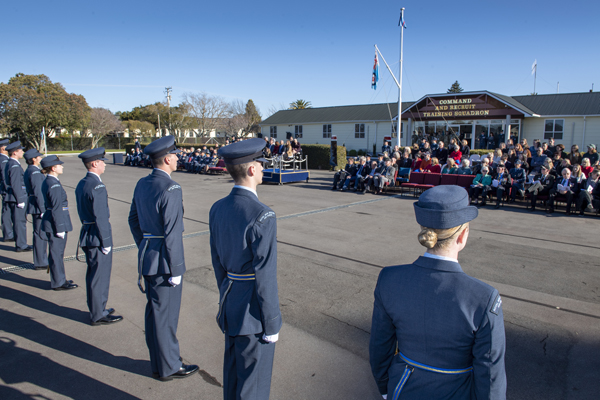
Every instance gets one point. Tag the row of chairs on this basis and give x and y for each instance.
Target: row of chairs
(418, 182)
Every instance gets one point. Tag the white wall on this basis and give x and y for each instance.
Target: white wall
(533, 128)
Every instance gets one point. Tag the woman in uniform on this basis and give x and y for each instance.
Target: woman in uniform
(56, 222)
(33, 179)
(438, 333)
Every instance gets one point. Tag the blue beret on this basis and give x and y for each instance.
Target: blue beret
(444, 207)
(161, 147)
(93, 155)
(4, 142)
(51, 161)
(243, 152)
(32, 153)
(14, 146)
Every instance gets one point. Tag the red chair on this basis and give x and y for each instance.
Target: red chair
(465, 181)
(415, 178)
(430, 181)
(219, 168)
(448, 179)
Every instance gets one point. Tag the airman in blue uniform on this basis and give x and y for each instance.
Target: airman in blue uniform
(56, 222)
(95, 237)
(6, 219)
(243, 244)
(438, 333)
(156, 222)
(34, 178)
(16, 196)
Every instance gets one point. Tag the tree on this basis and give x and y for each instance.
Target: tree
(238, 120)
(455, 88)
(300, 105)
(142, 128)
(273, 109)
(253, 117)
(103, 122)
(207, 112)
(29, 103)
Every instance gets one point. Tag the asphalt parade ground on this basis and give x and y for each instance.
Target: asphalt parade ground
(331, 248)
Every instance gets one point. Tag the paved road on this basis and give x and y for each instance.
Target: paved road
(332, 246)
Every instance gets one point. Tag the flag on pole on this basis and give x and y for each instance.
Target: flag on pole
(401, 22)
(375, 77)
(534, 67)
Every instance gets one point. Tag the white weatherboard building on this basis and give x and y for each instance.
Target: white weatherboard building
(570, 118)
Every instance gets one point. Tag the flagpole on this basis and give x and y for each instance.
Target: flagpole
(399, 126)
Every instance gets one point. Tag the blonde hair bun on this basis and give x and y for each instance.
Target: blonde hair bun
(428, 238)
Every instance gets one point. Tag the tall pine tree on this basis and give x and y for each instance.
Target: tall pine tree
(455, 88)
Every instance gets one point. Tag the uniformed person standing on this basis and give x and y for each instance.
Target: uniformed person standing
(243, 244)
(56, 222)
(7, 227)
(95, 237)
(156, 222)
(16, 196)
(34, 178)
(438, 333)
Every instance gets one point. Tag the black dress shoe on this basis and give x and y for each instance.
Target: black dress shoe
(184, 372)
(109, 319)
(28, 248)
(67, 286)
(41, 267)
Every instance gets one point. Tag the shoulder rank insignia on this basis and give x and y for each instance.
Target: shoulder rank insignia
(55, 185)
(174, 187)
(496, 306)
(99, 186)
(36, 172)
(267, 215)
(16, 165)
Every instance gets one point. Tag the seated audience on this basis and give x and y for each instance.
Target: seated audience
(586, 167)
(385, 175)
(586, 194)
(541, 186)
(441, 153)
(501, 183)
(481, 185)
(339, 177)
(575, 156)
(577, 173)
(450, 167)
(465, 149)
(592, 154)
(434, 166)
(518, 177)
(464, 168)
(369, 179)
(456, 154)
(567, 186)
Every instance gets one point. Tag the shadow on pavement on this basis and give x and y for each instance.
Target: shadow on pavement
(21, 365)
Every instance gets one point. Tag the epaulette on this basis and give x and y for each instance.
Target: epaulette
(174, 187)
(36, 172)
(265, 216)
(56, 185)
(99, 186)
(16, 165)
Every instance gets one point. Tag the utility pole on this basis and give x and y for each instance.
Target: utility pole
(168, 91)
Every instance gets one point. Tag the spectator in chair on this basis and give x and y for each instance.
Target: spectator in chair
(518, 177)
(456, 154)
(465, 149)
(585, 199)
(386, 175)
(542, 186)
(369, 179)
(450, 167)
(567, 186)
(586, 167)
(434, 167)
(339, 177)
(464, 168)
(592, 154)
(501, 182)
(425, 163)
(481, 185)
(361, 171)
(441, 153)
(575, 156)
(538, 160)
(577, 173)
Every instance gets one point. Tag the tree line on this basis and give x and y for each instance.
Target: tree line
(32, 103)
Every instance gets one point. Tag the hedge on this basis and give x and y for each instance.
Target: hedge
(319, 156)
(63, 143)
(186, 146)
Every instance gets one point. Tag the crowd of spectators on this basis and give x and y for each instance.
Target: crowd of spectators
(544, 171)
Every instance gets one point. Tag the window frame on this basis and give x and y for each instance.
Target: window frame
(326, 131)
(553, 134)
(359, 131)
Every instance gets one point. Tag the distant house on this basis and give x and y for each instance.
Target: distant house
(570, 118)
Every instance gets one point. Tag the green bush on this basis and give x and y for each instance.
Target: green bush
(68, 143)
(184, 146)
(352, 153)
(318, 156)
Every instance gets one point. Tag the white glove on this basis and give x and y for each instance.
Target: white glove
(106, 250)
(271, 338)
(42, 215)
(61, 235)
(175, 280)
(21, 205)
(384, 396)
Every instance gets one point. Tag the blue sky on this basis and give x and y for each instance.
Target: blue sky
(121, 54)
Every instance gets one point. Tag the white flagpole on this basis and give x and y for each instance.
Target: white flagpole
(398, 131)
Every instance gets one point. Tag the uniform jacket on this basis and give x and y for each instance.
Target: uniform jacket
(3, 163)
(56, 217)
(34, 178)
(504, 179)
(13, 179)
(92, 207)
(243, 240)
(157, 209)
(438, 316)
(572, 183)
(548, 182)
(518, 175)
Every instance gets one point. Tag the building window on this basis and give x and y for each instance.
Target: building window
(298, 130)
(359, 131)
(327, 131)
(553, 128)
(273, 131)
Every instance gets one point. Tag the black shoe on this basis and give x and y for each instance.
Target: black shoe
(41, 267)
(28, 248)
(67, 286)
(184, 372)
(110, 311)
(109, 319)
(9, 240)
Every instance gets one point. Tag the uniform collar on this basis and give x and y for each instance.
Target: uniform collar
(247, 189)
(436, 257)
(442, 265)
(97, 176)
(160, 171)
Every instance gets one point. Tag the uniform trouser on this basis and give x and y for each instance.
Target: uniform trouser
(19, 222)
(584, 199)
(535, 193)
(554, 193)
(7, 225)
(97, 281)
(162, 316)
(247, 368)
(40, 242)
(56, 255)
